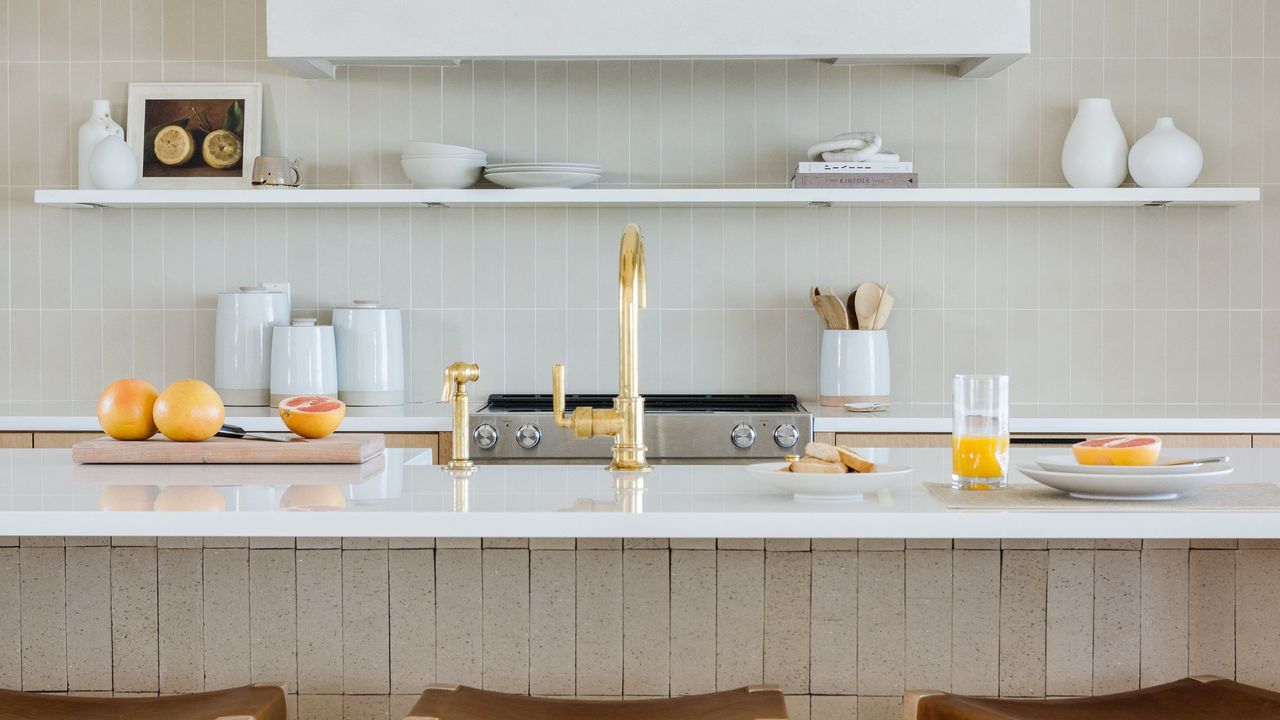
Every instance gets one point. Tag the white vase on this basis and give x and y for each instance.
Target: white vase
(1166, 157)
(1095, 154)
(94, 130)
(112, 165)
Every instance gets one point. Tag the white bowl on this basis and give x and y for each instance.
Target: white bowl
(443, 172)
(436, 149)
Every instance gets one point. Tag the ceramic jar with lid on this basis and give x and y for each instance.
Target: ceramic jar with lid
(303, 361)
(242, 343)
(370, 341)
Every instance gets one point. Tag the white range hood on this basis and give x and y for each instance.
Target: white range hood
(983, 37)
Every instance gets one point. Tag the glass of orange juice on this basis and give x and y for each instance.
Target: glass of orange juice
(980, 432)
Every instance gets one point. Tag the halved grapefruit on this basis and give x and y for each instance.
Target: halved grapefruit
(1118, 450)
(312, 416)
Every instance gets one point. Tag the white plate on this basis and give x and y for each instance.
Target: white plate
(1125, 487)
(826, 487)
(1068, 464)
(572, 167)
(522, 180)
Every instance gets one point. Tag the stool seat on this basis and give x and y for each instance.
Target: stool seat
(256, 702)
(459, 702)
(1200, 698)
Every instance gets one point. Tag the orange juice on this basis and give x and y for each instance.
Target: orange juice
(979, 456)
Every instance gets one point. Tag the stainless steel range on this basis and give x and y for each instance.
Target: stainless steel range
(676, 428)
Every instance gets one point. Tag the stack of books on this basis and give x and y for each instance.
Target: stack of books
(854, 175)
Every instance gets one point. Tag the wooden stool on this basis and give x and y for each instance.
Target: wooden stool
(256, 702)
(458, 702)
(1196, 698)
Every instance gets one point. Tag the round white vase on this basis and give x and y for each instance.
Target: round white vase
(94, 130)
(112, 165)
(1166, 157)
(1095, 154)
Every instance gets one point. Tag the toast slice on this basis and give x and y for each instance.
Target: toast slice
(855, 462)
(823, 451)
(815, 465)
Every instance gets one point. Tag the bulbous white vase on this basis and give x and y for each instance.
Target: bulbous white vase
(1166, 157)
(94, 130)
(112, 165)
(1095, 154)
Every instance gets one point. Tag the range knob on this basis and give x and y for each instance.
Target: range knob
(485, 436)
(743, 435)
(528, 436)
(786, 436)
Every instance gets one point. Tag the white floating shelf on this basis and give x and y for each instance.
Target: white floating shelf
(697, 197)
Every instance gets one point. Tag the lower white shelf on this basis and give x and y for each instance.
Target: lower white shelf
(633, 197)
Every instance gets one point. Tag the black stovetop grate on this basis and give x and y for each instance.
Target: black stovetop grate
(749, 403)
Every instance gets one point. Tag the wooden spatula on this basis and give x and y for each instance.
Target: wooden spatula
(881, 315)
(865, 300)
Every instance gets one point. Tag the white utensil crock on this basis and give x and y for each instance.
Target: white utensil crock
(303, 360)
(370, 343)
(853, 367)
(242, 343)
(1095, 154)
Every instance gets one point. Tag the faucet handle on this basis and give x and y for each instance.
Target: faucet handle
(557, 397)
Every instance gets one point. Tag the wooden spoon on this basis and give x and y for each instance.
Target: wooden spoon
(865, 301)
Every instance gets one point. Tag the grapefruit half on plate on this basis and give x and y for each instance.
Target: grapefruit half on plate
(1118, 450)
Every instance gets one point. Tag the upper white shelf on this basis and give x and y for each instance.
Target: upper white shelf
(633, 197)
(982, 37)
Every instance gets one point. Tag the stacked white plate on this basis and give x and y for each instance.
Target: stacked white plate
(542, 175)
(1123, 482)
(440, 166)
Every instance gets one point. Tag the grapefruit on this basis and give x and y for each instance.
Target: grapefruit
(174, 145)
(1118, 450)
(124, 409)
(189, 411)
(312, 416)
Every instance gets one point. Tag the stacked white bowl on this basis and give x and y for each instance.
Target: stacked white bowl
(439, 166)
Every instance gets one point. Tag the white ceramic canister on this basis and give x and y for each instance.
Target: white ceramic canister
(853, 366)
(303, 360)
(1166, 157)
(1095, 154)
(242, 343)
(370, 354)
(98, 127)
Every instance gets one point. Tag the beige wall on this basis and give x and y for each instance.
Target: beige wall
(841, 626)
(1078, 305)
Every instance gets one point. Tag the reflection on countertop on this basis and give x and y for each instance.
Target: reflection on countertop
(43, 493)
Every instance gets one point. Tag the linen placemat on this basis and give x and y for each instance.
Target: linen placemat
(1033, 496)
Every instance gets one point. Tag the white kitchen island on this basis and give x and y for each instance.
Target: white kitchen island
(402, 495)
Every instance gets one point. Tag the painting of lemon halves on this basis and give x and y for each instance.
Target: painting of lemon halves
(193, 135)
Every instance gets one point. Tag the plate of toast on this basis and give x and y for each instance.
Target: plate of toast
(828, 473)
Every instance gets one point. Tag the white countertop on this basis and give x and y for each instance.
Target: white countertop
(900, 418)
(43, 493)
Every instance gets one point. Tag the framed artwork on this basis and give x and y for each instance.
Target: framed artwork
(195, 135)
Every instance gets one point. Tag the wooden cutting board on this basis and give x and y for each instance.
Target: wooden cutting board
(345, 448)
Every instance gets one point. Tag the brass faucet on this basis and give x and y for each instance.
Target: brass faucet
(456, 377)
(625, 420)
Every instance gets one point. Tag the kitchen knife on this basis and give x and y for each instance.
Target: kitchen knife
(235, 431)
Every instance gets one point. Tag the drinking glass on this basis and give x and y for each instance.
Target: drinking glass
(980, 432)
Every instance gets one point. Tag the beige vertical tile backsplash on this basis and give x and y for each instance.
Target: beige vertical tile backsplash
(1120, 306)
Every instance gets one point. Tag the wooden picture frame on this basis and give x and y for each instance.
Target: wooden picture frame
(207, 109)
